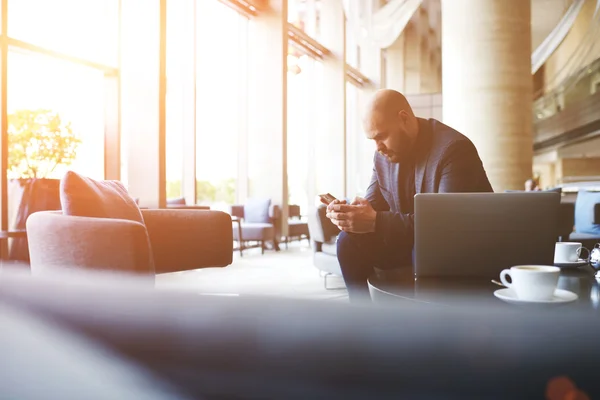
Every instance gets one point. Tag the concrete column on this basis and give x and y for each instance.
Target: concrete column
(435, 58)
(412, 60)
(330, 148)
(143, 98)
(487, 83)
(426, 78)
(267, 107)
(435, 71)
(394, 65)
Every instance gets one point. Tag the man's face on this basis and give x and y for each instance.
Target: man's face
(390, 134)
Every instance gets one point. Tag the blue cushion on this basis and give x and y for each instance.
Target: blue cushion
(257, 210)
(584, 212)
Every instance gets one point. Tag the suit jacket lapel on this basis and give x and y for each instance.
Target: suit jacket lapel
(422, 155)
(395, 178)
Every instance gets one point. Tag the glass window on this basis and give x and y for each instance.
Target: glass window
(360, 150)
(301, 130)
(44, 87)
(220, 101)
(304, 14)
(56, 118)
(180, 91)
(86, 29)
(352, 49)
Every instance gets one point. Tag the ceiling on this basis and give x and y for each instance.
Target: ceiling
(545, 15)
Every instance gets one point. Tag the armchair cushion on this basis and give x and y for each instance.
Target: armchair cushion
(182, 240)
(585, 210)
(179, 201)
(85, 197)
(257, 210)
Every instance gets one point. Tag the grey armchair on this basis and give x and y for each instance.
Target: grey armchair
(297, 228)
(323, 234)
(260, 222)
(168, 241)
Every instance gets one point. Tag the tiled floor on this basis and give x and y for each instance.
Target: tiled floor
(288, 273)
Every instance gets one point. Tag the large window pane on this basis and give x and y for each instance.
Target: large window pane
(180, 92)
(352, 49)
(305, 15)
(301, 130)
(360, 150)
(220, 101)
(55, 118)
(82, 28)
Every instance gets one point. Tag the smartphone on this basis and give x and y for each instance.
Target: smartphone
(327, 198)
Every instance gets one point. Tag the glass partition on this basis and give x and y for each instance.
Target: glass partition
(220, 101)
(302, 130)
(85, 29)
(56, 122)
(578, 86)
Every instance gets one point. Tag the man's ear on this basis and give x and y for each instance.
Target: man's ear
(403, 115)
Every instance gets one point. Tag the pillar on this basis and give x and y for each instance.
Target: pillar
(425, 72)
(412, 59)
(394, 65)
(436, 74)
(487, 83)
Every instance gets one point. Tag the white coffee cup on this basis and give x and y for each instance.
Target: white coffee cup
(568, 252)
(532, 282)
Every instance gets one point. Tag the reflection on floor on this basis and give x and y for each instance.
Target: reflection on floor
(289, 273)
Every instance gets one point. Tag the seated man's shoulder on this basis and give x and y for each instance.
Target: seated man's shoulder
(445, 136)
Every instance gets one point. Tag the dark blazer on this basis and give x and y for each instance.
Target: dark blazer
(446, 161)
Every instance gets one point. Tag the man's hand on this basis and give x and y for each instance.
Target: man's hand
(357, 217)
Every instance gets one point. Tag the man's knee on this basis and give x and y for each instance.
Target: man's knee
(350, 245)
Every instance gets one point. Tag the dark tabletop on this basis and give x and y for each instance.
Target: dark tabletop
(400, 286)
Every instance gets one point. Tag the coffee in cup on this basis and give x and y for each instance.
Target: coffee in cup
(568, 252)
(531, 282)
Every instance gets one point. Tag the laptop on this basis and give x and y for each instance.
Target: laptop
(480, 234)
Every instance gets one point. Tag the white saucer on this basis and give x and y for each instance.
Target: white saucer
(575, 264)
(560, 297)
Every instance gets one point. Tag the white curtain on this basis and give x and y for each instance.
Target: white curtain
(554, 39)
(382, 27)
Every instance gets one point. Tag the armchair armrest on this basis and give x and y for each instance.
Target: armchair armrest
(189, 239)
(64, 241)
(237, 210)
(186, 207)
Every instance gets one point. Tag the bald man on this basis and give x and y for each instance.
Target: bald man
(414, 155)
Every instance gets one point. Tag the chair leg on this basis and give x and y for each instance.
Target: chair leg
(331, 288)
(286, 242)
(262, 247)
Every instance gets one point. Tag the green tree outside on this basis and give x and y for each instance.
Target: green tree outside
(38, 142)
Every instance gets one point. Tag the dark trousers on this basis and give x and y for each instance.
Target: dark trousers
(360, 254)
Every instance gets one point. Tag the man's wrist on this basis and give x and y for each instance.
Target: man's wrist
(374, 222)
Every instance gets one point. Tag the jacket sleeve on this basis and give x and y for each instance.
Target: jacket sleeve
(374, 195)
(460, 169)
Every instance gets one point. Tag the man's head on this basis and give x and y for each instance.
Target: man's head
(531, 185)
(390, 122)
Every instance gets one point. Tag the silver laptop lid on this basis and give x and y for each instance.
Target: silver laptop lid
(479, 234)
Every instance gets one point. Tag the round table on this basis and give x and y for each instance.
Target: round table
(400, 286)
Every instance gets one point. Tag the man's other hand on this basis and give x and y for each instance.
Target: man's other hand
(357, 217)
